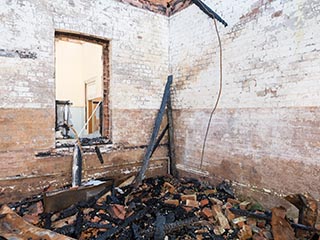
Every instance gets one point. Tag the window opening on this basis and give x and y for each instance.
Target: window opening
(80, 87)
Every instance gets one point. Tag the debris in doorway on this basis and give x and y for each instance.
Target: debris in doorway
(166, 208)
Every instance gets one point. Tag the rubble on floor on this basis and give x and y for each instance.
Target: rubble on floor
(161, 208)
(11, 225)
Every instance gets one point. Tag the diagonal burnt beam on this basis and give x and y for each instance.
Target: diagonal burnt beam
(110, 233)
(207, 10)
(169, 227)
(159, 232)
(159, 139)
(154, 135)
(99, 155)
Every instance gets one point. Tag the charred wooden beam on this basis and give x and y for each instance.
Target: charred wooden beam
(27, 201)
(76, 166)
(67, 230)
(159, 232)
(246, 213)
(171, 227)
(207, 10)
(173, 168)
(97, 149)
(159, 139)
(78, 224)
(68, 212)
(97, 225)
(135, 230)
(110, 233)
(156, 128)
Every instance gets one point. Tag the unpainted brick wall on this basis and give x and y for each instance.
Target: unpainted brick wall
(138, 59)
(265, 133)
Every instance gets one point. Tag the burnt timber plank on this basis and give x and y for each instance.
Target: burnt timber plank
(173, 169)
(154, 135)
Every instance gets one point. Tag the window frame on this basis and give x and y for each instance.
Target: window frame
(105, 43)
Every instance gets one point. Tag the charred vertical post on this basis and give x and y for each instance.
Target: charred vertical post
(173, 169)
(76, 166)
(154, 135)
(160, 138)
(99, 155)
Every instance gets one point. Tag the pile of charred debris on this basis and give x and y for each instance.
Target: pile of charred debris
(160, 208)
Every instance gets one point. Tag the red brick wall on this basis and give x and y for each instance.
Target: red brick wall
(22, 179)
(26, 129)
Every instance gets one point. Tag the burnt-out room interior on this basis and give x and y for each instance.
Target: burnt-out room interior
(159, 119)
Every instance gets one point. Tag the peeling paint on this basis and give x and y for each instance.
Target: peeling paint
(276, 14)
(18, 53)
(248, 85)
(256, 9)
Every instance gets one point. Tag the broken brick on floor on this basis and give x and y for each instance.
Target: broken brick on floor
(160, 208)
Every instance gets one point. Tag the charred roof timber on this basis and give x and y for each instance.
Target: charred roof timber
(170, 7)
(209, 11)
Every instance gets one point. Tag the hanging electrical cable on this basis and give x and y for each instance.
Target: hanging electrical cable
(219, 94)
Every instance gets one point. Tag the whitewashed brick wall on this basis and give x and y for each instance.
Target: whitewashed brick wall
(138, 57)
(139, 50)
(138, 72)
(268, 61)
(265, 132)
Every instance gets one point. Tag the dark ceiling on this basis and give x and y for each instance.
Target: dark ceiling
(165, 7)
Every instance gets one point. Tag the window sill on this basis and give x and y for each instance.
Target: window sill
(67, 143)
(65, 147)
